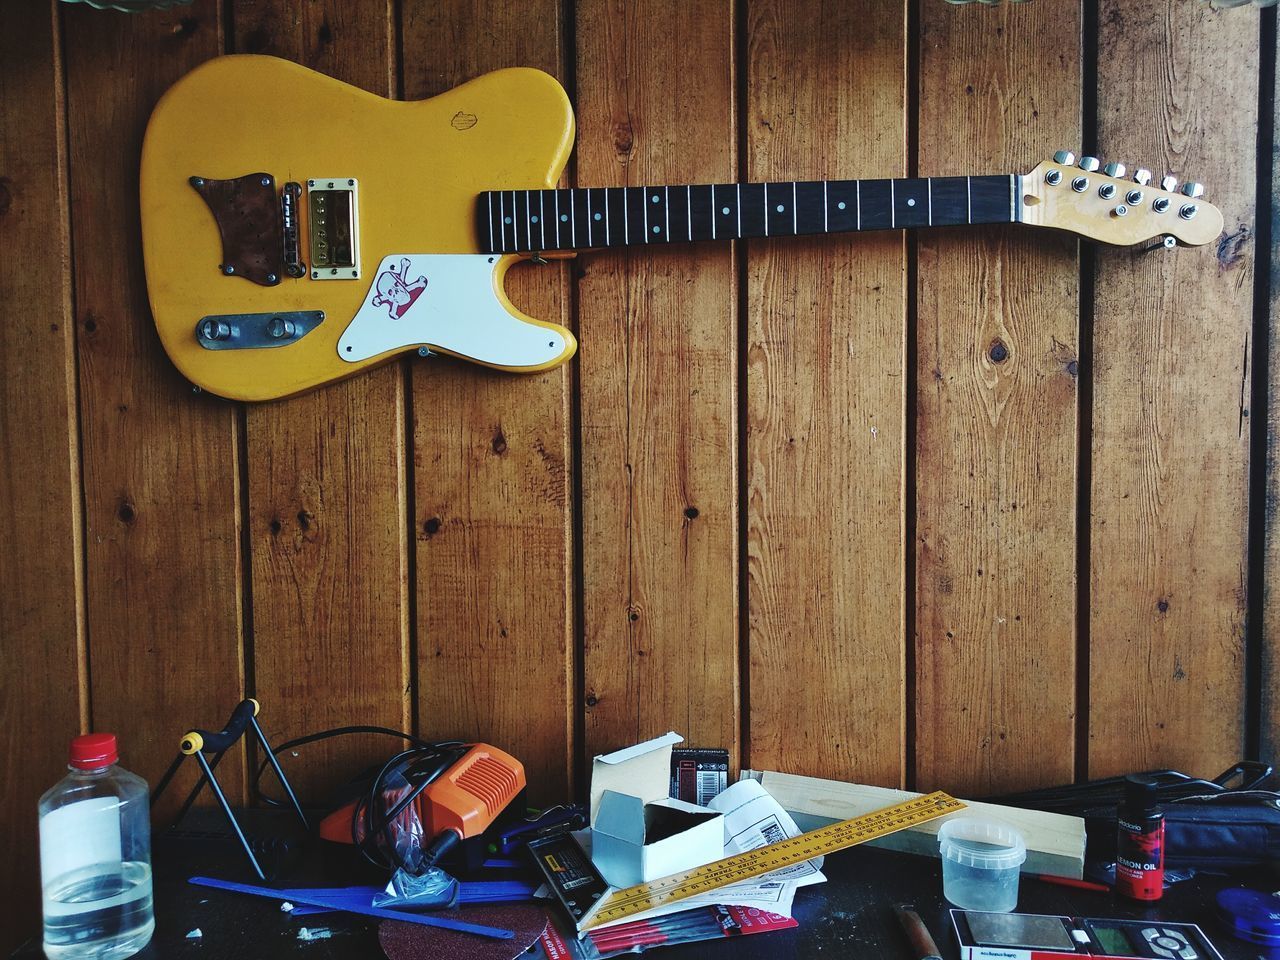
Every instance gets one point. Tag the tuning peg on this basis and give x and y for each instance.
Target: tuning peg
(1114, 169)
(1064, 157)
(1142, 176)
(1168, 183)
(1193, 190)
(1088, 164)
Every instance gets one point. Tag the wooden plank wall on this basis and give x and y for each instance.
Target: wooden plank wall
(964, 509)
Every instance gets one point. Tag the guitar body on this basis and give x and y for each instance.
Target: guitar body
(412, 172)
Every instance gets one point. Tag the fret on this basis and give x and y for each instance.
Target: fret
(537, 220)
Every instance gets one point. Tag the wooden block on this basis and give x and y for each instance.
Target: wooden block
(1055, 842)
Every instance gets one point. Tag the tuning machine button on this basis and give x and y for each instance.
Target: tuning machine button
(1089, 164)
(1064, 157)
(1193, 190)
(1169, 183)
(1142, 176)
(1114, 169)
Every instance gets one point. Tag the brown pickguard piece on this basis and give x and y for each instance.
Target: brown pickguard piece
(247, 212)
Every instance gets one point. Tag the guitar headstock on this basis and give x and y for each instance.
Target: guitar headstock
(1095, 200)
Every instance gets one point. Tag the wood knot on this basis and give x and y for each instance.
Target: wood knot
(432, 526)
(998, 352)
(6, 195)
(499, 442)
(1162, 605)
(325, 33)
(591, 700)
(305, 519)
(633, 613)
(623, 139)
(275, 526)
(691, 513)
(1073, 368)
(125, 512)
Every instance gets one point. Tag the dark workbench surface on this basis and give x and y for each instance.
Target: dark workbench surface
(849, 916)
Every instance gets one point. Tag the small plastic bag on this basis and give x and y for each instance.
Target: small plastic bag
(433, 890)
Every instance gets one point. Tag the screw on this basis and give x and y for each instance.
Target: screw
(272, 278)
(424, 352)
(266, 181)
(228, 269)
(197, 181)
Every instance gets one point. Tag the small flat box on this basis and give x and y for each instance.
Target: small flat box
(638, 833)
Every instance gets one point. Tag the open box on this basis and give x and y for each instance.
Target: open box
(639, 833)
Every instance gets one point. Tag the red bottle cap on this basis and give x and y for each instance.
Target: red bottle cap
(93, 750)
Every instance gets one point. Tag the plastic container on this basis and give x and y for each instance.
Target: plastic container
(95, 857)
(981, 860)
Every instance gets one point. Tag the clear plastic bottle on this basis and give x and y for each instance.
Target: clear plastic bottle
(95, 857)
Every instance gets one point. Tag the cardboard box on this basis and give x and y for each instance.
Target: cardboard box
(639, 833)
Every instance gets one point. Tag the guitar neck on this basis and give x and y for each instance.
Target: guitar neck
(534, 221)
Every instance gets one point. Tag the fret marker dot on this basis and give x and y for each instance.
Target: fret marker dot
(657, 229)
(911, 201)
(725, 211)
(506, 219)
(595, 217)
(781, 208)
(840, 205)
(564, 218)
(654, 198)
(533, 219)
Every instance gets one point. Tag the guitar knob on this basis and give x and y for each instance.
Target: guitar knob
(214, 330)
(1193, 190)
(1168, 183)
(1142, 176)
(1089, 164)
(1064, 157)
(1114, 169)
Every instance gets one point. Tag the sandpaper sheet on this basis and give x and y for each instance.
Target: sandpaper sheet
(407, 941)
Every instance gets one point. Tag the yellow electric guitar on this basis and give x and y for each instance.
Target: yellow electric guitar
(289, 248)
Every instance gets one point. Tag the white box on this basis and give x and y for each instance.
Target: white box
(638, 832)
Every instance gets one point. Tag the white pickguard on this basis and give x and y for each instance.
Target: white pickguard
(449, 301)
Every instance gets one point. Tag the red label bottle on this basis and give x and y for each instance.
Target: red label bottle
(1140, 842)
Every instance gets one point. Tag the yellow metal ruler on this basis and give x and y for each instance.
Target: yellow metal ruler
(621, 904)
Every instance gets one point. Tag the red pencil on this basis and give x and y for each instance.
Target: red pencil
(1069, 882)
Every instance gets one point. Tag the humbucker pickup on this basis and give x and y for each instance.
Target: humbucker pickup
(334, 228)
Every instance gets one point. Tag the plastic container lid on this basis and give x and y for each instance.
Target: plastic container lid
(982, 844)
(93, 750)
(1251, 915)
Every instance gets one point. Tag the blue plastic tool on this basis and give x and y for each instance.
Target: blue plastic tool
(335, 900)
(1251, 915)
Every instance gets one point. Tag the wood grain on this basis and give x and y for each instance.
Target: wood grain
(658, 370)
(826, 323)
(996, 438)
(43, 686)
(492, 468)
(328, 529)
(1171, 390)
(161, 487)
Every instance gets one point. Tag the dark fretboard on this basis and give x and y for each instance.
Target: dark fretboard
(536, 220)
